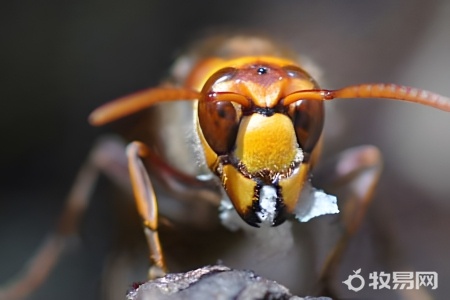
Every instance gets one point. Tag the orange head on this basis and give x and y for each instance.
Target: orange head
(259, 147)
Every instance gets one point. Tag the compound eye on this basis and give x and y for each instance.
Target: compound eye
(298, 73)
(219, 123)
(308, 118)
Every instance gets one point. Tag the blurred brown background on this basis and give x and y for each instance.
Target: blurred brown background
(61, 59)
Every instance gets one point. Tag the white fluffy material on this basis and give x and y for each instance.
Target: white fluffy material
(267, 201)
(314, 203)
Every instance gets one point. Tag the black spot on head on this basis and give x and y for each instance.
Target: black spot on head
(261, 70)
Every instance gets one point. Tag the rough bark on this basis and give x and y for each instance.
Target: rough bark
(213, 282)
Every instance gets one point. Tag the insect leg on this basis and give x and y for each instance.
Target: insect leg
(146, 205)
(357, 170)
(183, 186)
(101, 159)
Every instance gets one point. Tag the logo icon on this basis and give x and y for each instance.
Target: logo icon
(349, 281)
